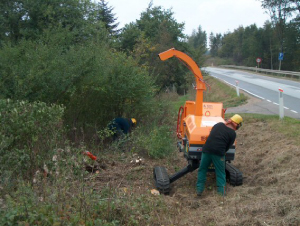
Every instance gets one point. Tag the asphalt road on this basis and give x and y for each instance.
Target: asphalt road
(264, 88)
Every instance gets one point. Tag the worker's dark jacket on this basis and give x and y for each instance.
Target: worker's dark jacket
(121, 125)
(220, 139)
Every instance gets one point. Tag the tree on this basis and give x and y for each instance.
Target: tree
(215, 44)
(29, 19)
(156, 20)
(129, 36)
(11, 13)
(243, 45)
(269, 46)
(154, 32)
(295, 8)
(292, 47)
(104, 13)
(198, 42)
(251, 45)
(164, 32)
(279, 11)
(232, 44)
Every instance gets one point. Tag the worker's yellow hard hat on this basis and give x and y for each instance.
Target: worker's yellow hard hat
(133, 120)
(237, 119)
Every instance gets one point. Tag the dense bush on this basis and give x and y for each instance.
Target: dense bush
(94, 82)
(114, 87)
(64, 73)
(48, 69)
(157, 138)
(29, 133)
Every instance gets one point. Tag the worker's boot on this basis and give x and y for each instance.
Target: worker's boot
(199, 193)
(222, 190)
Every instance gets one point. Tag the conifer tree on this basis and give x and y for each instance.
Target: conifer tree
(105, 14)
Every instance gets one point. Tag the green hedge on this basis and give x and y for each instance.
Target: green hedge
(29, 134)
(93, 81)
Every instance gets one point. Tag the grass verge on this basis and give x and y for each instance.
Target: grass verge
(288, 127)
(216, 91)
(118, 192)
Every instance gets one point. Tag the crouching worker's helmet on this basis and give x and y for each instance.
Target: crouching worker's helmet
(238, 120)
(133, 121)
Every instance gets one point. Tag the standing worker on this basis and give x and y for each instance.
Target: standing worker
(220, 139)
(121, 126)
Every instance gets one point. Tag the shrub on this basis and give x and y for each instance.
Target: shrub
(114, 87)
(93, 82)
(160, 142)
(157, 137)
(29, 132)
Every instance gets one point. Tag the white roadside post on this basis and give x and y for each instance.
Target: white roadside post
(237, 88)
(281, 109)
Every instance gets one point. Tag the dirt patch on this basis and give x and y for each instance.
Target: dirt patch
(269, 196)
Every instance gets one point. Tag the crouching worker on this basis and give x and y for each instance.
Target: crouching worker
(120, 126)
(220, 139)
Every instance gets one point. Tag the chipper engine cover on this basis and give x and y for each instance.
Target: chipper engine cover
(195, 121)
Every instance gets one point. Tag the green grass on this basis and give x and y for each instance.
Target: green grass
(180, 101)
(220, 92)
(289, 127)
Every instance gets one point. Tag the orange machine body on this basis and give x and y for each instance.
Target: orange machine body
(195, 122)
(197, 118)
(197, 128)
(200, 85)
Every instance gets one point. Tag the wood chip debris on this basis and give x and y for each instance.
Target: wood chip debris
(155, 192)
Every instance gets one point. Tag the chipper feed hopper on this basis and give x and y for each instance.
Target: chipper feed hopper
(195, 121)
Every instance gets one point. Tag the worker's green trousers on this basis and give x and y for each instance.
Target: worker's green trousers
(219, 163)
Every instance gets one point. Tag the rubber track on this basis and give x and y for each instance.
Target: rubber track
(235, 176)
(162, 181)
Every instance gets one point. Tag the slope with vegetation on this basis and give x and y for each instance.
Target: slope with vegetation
(118, 193)
(66, 71)
(64, 75)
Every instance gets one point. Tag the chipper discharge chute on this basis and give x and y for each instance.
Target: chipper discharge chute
(195, 121)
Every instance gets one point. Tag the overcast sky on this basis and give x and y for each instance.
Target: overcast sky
(217, 16)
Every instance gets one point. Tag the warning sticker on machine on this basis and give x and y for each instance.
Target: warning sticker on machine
(208, 123)
(208, 106)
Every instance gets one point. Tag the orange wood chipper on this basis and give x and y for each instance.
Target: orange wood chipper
(195, 121)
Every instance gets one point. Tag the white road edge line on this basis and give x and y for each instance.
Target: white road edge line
(240, 88)
(254, 94)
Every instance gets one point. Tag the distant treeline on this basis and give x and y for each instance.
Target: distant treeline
(279, 35)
